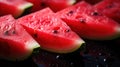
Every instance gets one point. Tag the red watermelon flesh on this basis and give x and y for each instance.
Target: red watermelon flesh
(15, 42)
(89, 23)
(110, 8)
(14, 7)
(51, 32)
(57, 5)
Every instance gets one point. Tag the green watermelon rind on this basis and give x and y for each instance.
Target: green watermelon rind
(78, 44)
(115, 35)
(23, 9)
(33, 48)
(71, 2)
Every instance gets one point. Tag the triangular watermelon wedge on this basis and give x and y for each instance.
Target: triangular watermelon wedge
(51, 32)
(15, 42)
(89, 23)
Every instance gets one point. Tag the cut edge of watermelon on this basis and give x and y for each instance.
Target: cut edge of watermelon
(33, 47)
(32, 44)
(80, 44)
(116, 35)
(117, 29)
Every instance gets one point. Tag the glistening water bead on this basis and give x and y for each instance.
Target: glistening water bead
(57, 56)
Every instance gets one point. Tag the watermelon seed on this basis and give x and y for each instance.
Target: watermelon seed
(70, 13)
(13, 32)
(42, 4)
(55, 31)
(95, 13)
(35, 35)
(6, 32)
(110, 5)
(67, 30)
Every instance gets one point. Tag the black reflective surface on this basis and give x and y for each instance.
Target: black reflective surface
(95, 54)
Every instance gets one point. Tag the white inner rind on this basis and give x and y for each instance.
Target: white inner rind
(31, 44)
(25, 6)
(71, 2)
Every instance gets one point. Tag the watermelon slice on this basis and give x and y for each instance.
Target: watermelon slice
(51, 32)
(57, 5)
(89, 23)
(15, 42)
(110, 8)
(14, 7)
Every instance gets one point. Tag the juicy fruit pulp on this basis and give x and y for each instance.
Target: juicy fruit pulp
(110, 8)
(89, 23)
(14, 44)
(14, 7)
(51, 32)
